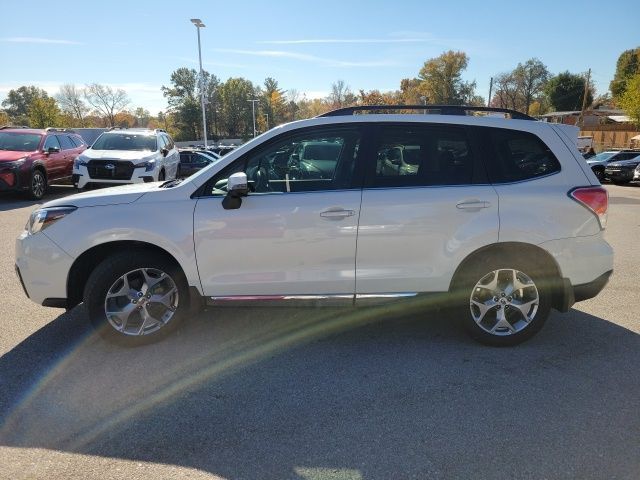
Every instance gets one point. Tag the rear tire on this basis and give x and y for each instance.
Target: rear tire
(494, 311)
(136, 297)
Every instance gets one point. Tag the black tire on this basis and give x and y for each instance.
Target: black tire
(109, 271)
(37, 185)
(161, 176)
(467, 279)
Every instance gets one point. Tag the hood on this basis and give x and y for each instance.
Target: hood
(10, 155)
(625, 163)
(130, 155)
(105, 196)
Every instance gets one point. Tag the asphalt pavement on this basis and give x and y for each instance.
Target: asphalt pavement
(302, 393)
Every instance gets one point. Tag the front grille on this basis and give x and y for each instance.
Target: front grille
(110, 169)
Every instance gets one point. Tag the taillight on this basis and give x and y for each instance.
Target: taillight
(595, 199)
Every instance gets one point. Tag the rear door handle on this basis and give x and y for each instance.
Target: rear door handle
(473, 205)
(337, 214)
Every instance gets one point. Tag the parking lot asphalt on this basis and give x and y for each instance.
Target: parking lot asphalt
(300, 393)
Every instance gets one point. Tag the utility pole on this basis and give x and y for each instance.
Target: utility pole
(490, 89)
(253, 107)
(198, 23)
(584, 99)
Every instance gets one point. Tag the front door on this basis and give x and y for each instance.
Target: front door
(295, 233)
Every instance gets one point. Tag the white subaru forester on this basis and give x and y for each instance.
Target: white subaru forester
(501, 217)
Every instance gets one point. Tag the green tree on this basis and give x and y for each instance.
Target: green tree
(43, 113)
(272, 104)
(531, 77)
(184, 104)
(441, 79)
(630, 100)
(4, 118)
(565, 92)
(236, 114)
(627, 66)
(18, 101)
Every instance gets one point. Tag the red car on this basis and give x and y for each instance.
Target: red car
(31, 159)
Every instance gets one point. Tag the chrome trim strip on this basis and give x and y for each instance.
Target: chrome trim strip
(385, 295)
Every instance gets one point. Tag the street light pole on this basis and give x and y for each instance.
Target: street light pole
(198, 23)
(253, 107)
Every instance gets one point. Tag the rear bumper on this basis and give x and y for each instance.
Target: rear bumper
(589, 290)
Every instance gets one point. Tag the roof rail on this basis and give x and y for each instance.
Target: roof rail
(442, 110)
(54, 129)
(115, 128)
(13, 126)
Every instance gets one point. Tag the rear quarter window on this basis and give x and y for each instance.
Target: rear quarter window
(516, 156)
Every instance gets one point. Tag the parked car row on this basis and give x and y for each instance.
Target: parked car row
(617, 166)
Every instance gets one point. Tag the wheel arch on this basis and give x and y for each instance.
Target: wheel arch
(86, 262)
(529, 251)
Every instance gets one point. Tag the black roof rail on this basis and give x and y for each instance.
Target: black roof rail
(13, 126)
(442, 109)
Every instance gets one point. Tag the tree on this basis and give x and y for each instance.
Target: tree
(565, 92)
(341, 95)
(142, 117)
(441, 79)
(627, 66)
(236, 114)
(70, 100)
(531, 78)
(184, 103)
(508, 93)
(273, 103)
(410, 93)
(18, 102)
(630, 100)
(106, 100)
(43, 112)
(4, 118)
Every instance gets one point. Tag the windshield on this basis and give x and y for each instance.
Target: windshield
(601, 157)
(125, 141)
(212, 156)
(19, 142)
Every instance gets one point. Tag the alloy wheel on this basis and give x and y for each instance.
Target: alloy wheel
(141, 301)
(504, 302)
(37, 184)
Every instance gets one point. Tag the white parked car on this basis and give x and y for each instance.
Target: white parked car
(501, 218)
(132, 155)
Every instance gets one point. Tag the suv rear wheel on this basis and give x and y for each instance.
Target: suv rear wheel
(136, 297)
(507, 300)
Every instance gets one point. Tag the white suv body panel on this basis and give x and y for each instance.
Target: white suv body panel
(267, 247)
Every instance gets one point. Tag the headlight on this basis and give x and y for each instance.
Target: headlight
(15, 164)
(638, 169)
(44, 217)
(148, 166)
(79, 162)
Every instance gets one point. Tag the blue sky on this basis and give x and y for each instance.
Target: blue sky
(305, 45)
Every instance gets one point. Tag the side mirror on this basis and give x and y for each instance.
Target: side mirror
(237, 187)
(164, 152)
(52, 150)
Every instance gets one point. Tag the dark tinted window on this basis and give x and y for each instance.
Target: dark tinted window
(415, 155)
(321, 159)
(519, 156)
(77, 140)
(125, 141)
(169, 142)
(19, 142)
(65, 142)
(625, 156)
(50, 142)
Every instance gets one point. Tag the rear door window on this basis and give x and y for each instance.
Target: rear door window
(65, 142)
(518, 156)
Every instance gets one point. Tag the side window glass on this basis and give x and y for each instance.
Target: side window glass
(170, 143)
(520, 156)
(413, 155)
(162, 143)
(65, 142)
(313, 161)
(51, 141)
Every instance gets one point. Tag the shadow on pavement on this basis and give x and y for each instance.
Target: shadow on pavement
(14, 200)
(334, 393)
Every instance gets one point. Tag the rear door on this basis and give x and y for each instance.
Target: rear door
(69, 153)
(55, 162)
(425, 206)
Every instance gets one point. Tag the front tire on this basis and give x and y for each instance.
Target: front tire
(506, 301)
(136, 297)
(38, 185)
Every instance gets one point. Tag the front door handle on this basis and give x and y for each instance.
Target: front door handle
(337, 214)
(473, 205)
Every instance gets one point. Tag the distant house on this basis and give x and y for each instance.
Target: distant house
(591, 117)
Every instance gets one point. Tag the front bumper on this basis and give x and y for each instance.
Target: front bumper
(42, 267)
(14, 178)
(81, 178)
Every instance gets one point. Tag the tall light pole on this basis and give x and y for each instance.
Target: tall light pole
(198, 23)
(253, 107)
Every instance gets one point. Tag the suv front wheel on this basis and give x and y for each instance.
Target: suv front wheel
(38, 185)
(136, 297)
(507, 301)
